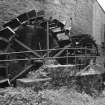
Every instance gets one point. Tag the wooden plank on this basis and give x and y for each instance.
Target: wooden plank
(55, 66)
(4, 83)
(22, 44)
(4, 80)
(92, 70)
(28, 48)
(21, 73)
(60, 52)
(26, 82)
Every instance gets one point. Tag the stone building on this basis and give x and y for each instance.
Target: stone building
(87, 15)
(98, 23)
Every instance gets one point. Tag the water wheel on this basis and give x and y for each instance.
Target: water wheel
(31, 31)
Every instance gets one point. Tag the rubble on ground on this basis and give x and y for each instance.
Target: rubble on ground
(62, 96)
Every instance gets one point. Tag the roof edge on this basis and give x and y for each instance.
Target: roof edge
(100, 6)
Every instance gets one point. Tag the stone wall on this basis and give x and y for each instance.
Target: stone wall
(79, 10)
(98, 23)
(12, 8)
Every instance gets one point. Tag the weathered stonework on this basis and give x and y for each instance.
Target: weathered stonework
(79, 10)
(9, 9)
(84, 13)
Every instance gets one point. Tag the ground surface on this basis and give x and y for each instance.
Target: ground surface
(62, 96)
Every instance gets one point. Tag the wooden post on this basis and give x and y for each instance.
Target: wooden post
(67, 56)
(75, 56)
(47, 39)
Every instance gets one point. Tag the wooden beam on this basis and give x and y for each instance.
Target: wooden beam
(21, 73)
(61, 51)
(28, 48)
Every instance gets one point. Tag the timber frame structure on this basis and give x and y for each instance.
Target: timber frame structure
(70, 49)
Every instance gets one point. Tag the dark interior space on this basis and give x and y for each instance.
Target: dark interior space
(3, 73)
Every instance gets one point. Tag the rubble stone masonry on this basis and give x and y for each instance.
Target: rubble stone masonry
(79, 10)
(85, 14)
